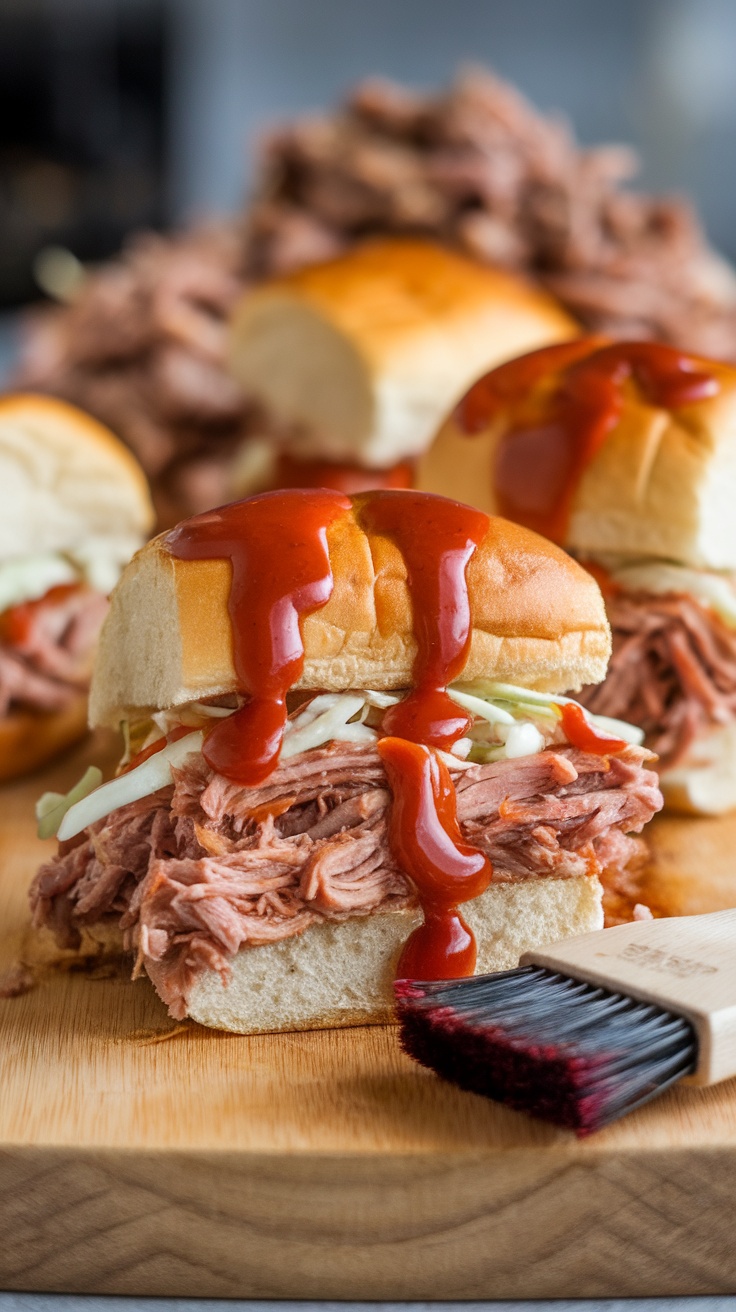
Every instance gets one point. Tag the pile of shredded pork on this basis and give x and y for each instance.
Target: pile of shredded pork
(203, 868)
(143, 347)
(44, 667)
(672, 672)
(478, 167)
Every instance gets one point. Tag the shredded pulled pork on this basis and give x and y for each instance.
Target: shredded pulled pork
(205, 867)
(46, 659)
(672, 672)
(480, 168)
(143, 347)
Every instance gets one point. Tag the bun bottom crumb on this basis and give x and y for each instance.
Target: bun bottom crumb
(29, 739)
(335, 975)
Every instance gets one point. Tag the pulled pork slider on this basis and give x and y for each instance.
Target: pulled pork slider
(74, 507)
(626, 454)
(348, 754)
(355, 361)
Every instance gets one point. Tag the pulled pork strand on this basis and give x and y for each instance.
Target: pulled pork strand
(192, 876)
(672, 672)
(46, 664)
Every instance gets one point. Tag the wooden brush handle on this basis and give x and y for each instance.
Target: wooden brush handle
(686, 965)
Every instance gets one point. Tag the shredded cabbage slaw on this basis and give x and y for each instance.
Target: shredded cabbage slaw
(508, 722)
(99, 563)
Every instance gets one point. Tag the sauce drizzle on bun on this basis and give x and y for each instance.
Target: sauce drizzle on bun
(277, 546)
(560, 404)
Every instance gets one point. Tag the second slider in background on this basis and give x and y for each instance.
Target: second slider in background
(355, 361)
(74, 507)
(626, 454)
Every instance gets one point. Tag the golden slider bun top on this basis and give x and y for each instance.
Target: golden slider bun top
(65, 481)
(662, 485)
(362, 356)
(538, 620)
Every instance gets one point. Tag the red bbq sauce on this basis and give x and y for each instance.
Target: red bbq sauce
(16, 623)
(277, 546)
(437, 539)
(509, 383)
(581, 733)
(293, 472)
(555, 432)
(426, 841)
(145, 754)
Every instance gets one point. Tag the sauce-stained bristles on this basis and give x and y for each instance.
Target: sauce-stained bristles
(542, 1043)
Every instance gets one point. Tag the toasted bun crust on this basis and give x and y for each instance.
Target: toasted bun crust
(65, 480)
(538, 620)
(662, 485)
(333, 975)
(363, 355)
(29, 740)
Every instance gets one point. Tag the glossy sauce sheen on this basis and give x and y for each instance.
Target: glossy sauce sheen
(17, 622)
(427, 843)
(277, 545)
(437, 539)
(581, 733)
(552, 437)
(292, 472)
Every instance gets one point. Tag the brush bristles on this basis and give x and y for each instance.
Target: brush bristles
(542, 1043)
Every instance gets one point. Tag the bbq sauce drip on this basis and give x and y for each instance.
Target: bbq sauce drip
(581, 733)
(293, 472)
(437, 539)
(426, 841)
(555, 432)
(277, 546)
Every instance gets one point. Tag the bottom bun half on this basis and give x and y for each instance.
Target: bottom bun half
(29, 739)
(334, 975)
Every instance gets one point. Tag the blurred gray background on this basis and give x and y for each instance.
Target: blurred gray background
(120, 114)
(658, 73)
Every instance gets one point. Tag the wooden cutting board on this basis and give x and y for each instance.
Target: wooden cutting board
(140, 1157)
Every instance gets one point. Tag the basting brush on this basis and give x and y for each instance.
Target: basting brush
(586, 1030)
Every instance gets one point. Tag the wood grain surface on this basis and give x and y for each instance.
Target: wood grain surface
(141, 1157)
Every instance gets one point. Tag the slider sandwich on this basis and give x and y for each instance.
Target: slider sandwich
(74, 507)
(354, 362)
(625, 454)
(348, 754)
